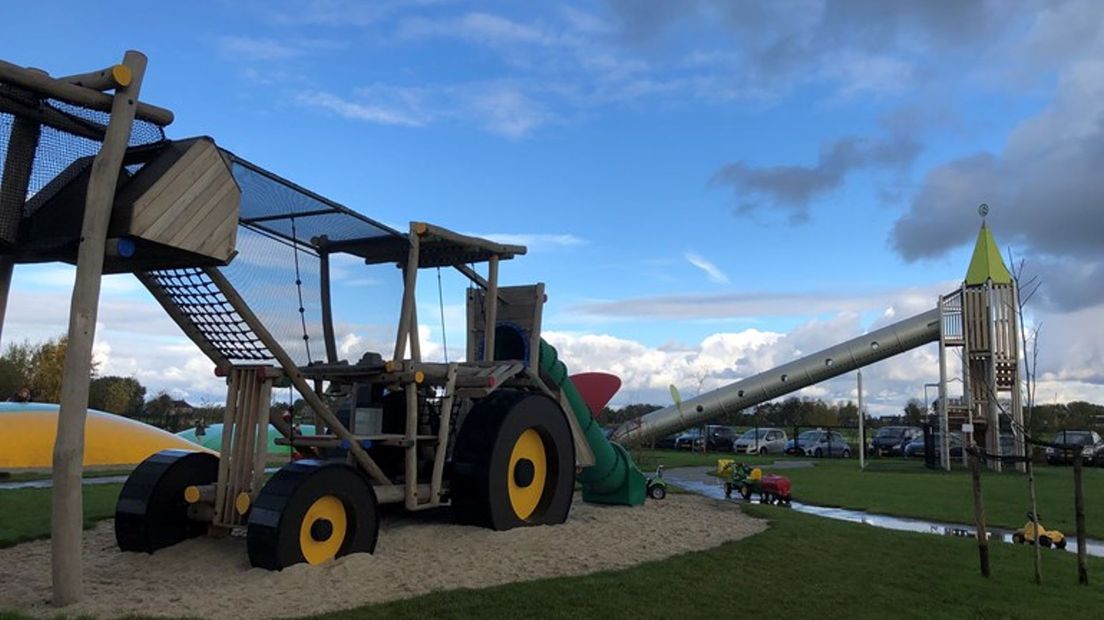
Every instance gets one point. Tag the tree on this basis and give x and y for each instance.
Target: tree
(914, 412)
(15, 368)
(121, 395)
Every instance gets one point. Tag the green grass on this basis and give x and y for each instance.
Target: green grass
(45, 474)
(802, 566)
(25, 513)
(905, 488)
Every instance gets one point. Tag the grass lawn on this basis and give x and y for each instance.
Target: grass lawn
(906, 488)
(44, 474)
(802, 566)
(25, 513)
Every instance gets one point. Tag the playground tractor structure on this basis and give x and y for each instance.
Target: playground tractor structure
(498, 438)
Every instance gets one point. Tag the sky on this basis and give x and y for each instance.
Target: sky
(707, 189)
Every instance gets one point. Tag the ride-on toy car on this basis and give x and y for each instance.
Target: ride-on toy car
(771, 488)
(656, 485)
(1027, 533)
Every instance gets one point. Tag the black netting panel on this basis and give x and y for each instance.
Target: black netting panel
(197, 297)
(57, 150)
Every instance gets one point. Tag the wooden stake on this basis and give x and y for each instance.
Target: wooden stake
(1079, 514)
(1035, 521)
(979, 514)
(67, 515)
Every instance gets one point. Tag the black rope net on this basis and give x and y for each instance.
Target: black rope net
(57, 150)
(276, 270)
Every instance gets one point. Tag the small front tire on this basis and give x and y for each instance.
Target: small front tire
(657, 492)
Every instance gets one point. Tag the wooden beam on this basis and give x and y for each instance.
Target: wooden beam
(67, 516)
(313, 400)
(42, 84)
(110, 78)
(51, 117)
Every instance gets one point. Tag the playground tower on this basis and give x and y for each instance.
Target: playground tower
(981, 319)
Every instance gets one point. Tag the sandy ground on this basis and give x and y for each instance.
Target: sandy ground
(212, 578)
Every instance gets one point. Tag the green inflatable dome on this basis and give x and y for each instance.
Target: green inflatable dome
(212, 439)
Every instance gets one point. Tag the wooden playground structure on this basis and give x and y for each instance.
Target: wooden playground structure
(499, 438)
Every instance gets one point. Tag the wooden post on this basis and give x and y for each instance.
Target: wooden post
(67, 515)
(410, 283)
(1079, 515)
(18, 165)
(979, 513)
(1038, 560)
(327, 305)
(491, 299)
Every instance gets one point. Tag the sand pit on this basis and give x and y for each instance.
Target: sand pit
(212, 578)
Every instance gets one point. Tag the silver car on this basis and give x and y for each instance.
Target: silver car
(760, 441)
(828, 444)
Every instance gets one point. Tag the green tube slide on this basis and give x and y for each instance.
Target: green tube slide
(614, 478)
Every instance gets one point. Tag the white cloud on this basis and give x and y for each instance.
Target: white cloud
(711, 270)
(369, 112)
(534, 240)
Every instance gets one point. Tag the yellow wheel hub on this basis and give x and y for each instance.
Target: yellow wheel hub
(323, 530)
(527, 473)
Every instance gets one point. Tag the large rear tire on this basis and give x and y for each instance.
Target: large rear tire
(513, 462)
(151, 512)
(313, 512)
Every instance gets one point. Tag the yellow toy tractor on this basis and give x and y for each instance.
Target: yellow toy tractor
(1047, 538)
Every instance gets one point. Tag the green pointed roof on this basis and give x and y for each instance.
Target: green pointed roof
(986, 263)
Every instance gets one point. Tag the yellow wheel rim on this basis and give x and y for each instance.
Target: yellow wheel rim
(323, 530)
(524, 498)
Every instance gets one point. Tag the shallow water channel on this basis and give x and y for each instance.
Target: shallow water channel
(695, 480)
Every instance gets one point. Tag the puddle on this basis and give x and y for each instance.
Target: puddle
(715, 490)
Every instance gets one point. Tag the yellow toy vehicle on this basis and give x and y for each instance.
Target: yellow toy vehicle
(1027, 533)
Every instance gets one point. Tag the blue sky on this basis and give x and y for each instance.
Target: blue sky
(703, 185)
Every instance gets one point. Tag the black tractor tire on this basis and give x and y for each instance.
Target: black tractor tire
(312, 511)
(745, 492)
(1018, 538)
(728, 490)
(657, 492)
(817, 453)
(151, 512)
(1061, 544)
(1044, 541)
(509, 442)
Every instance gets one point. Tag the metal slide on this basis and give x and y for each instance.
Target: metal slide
(821, 366)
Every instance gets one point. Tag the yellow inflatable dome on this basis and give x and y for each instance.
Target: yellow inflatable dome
(27, 432)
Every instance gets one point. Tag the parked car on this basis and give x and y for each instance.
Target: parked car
(685, 440)
(665, 443)
(797, 446)
(760, 441)
(916, 446)
(1089, 442)
(891, 440)
(828, 443)
(717, 438)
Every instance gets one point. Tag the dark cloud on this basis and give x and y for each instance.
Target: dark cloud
(1045, 191)
(791, 188)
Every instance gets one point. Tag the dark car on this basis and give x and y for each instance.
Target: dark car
(718, 439)
(916, 446)
(665, 443)
(685, 441)
(891, 440)
(1088, 442)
